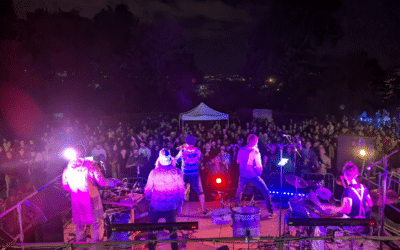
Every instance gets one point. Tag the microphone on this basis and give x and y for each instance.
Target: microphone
(299, 142)
(285, 135)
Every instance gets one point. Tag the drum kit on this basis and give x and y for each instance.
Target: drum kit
(245, 218)
(322, 193)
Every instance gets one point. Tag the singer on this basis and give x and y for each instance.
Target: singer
(81, 178)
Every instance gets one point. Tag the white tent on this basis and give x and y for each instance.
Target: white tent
(202, 113)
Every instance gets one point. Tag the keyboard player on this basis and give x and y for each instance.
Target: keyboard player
(355, 202)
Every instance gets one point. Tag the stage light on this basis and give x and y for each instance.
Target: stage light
(70, 154)
(362, 152)
(283, 162)
(219, 181)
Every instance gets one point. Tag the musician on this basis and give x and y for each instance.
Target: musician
(166, 190)
(190, 156)
(81, 178)
(249, 159)
(355, 202)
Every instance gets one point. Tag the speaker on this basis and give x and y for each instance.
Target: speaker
(52, 201)
(53, 230)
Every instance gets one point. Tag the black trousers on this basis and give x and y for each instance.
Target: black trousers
(170, 216)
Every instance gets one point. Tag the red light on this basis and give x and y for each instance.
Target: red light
(219, 181)
(372, 223)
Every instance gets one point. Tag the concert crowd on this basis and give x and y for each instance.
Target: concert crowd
(131, 149)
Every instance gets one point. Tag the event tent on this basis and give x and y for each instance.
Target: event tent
(202, 113)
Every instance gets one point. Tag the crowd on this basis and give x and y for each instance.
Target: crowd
(130, 150)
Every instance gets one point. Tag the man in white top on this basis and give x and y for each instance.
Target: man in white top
(249, 159)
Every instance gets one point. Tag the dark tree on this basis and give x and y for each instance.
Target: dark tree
(284, 49)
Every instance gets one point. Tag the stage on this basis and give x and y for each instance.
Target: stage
(192, 212)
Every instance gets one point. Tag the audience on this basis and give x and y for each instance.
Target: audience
(130, 150)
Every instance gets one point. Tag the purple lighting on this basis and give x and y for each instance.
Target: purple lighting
(70, 154)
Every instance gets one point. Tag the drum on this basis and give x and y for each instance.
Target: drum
(246, 222)
(221, 216)
(324, 194)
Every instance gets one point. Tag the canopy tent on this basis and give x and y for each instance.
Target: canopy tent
(202, 113)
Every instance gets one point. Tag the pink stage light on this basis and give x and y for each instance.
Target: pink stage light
(70, 154)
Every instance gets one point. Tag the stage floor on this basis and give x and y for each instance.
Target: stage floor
(192, 212)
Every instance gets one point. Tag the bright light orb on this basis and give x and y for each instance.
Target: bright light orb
(362, 152)
(218, 180)
(70, 154)
(283, 162)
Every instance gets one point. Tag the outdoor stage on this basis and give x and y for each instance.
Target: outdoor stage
(192, 212)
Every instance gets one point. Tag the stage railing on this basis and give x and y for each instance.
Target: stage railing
(18, 207)
(393, 182)
(278, 242)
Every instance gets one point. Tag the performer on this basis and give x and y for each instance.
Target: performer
(81, 178)
(166, 190)
(249, 159)
(190, 156)
(355, 202)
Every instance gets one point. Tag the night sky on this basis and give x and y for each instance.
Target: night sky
(218, 31)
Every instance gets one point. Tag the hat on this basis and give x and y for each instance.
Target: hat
(164, 157)
(190, 139)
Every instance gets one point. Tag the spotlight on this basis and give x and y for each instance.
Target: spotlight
(362, 152)
(283, 162)
(219, 181)
(70, 154)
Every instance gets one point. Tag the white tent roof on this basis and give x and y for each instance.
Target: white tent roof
(203, 113)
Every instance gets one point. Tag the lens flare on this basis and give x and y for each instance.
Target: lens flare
(70, 154)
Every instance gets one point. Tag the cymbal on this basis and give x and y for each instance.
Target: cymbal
(377, 196)
(296, 181)
(324, 193)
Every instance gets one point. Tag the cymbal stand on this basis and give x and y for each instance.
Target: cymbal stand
(280, 193)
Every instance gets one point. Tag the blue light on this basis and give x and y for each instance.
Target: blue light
(292, 193)
(284, 192)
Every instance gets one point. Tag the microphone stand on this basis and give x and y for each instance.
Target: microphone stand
(281, 182)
